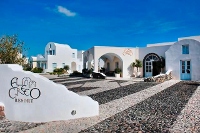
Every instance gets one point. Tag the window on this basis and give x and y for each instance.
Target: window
(53, 52)
(63, 64)
(54, 65)
(73, 55)
(50, 46)
(50, 52)
(116, 64)
(185, 49)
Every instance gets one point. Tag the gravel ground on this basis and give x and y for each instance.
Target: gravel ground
(105, 111)
(66, 79)
(79, 89)
(78, 82)
(106, 96)
(188, 120)
(155, 114)
(15, 126)
(119, 81)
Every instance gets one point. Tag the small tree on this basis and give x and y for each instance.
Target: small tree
(66, 67)
(138, 64)
(11, 50)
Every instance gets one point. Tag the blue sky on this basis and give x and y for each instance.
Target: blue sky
(85, 23)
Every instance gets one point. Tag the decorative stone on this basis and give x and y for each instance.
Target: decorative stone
(1, 108)
(159, 78)
(2, 113)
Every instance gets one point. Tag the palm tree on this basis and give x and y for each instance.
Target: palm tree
(138, 64)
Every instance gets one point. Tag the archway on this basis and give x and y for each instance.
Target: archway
(150, 65)
(110, 61)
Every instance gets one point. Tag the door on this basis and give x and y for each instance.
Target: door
(108, 66)
(185, 70)
(73, 66)
(156, 69)
(148, 69)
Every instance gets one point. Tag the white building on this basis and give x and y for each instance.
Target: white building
(182, 57)
(57, 56)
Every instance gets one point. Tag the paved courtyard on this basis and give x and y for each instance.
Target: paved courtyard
(128, 105)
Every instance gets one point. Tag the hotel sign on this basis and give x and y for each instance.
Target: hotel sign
(25, 92)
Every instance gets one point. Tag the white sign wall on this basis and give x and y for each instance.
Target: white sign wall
(30, 97)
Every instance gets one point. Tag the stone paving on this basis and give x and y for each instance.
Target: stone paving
(111, 108)
(189, 118)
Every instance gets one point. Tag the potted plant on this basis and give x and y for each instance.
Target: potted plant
(117, 72)
(138, 64)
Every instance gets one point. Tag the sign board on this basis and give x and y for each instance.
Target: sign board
(30, 97)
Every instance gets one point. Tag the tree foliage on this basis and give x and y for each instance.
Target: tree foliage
(66, 67)
(138, 64)
(11, 50)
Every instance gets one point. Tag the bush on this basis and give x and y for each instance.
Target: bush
(84, 70)
(66, 67)
(27, 67)
(76, 73)
(37, 70)
(118, 70)
(59, 71)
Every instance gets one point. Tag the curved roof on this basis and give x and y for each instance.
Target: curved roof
(60, 45)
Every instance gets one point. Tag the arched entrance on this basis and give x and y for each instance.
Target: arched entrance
(111, 61)
(73, 66)
(150, 65)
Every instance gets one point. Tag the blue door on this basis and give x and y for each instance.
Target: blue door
(185, 70)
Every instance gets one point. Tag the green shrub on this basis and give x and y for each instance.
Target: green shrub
(84, 70)
(27, 67)
(37, 70)
(76, 73)
(58, 71)
(118, 70)
(66, 67)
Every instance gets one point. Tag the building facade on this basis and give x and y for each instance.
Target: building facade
(57, 56)
(181, 57)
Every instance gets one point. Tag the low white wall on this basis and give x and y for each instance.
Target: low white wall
(30, 97)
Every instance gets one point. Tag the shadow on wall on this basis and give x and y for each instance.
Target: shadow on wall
(130, 71)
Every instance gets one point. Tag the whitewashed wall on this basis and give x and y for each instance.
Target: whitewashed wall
(119, 52)
(30, 97)
(63, 55)
(174, 55)
(159, 50)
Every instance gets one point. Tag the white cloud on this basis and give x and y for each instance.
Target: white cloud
(65, 11)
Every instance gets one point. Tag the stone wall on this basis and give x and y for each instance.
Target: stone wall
(159, 78)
